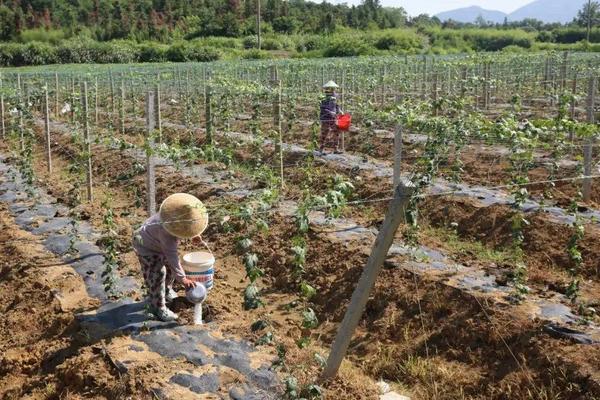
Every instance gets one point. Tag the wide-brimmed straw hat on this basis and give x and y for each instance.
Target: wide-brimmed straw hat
(330, 85)
(183, 215)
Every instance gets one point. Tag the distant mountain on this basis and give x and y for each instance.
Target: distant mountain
(470, 14)
(544, 10)
(549, 10)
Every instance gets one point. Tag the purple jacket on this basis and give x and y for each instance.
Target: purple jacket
(329, 109)
(152, 239)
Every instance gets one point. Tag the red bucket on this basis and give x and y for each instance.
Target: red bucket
(343, 121)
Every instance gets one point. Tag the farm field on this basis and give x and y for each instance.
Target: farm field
(490, 289)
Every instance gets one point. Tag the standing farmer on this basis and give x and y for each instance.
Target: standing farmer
(181, 216)
(329, 111)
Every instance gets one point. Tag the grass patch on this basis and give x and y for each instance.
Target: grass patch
(456, 245)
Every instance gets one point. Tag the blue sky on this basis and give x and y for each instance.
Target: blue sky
(415, 7)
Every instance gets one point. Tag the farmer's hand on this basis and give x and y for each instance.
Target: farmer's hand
(188, 284)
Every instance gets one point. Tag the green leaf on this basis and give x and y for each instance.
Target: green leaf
(309, 319)
(307, 290)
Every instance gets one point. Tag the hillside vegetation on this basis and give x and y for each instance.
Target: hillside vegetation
(44, 32)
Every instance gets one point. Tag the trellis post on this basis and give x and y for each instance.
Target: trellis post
(88, 142)
(96, 108)
(122, 105)
(150, 173)
(47, 129)
(208, 114)
(394, 217)
(588, 146)
(278, 128)
(2, 123)
(158, 110)
(56, 96)
(397, 154)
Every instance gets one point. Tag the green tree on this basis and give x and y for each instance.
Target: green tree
(588, 16)
(7, 23)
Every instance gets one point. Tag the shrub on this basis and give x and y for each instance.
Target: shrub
(34, 53)
(347, 47)
(117, 52)
(220, 42)
(152, 52)
(399, 40)
(546, 36)
(270, 44)
(310, 43)
(250, 42)
(8, 52)
(203, 54)
(181, 52)
(52, 36)
(72, 52)
(575, 34)
(255, 54)
(494, 40)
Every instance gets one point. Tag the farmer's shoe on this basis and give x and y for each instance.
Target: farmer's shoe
(164, 314)
(170, 295)
(337, 151)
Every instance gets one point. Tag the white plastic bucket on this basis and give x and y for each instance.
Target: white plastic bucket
(199, 267)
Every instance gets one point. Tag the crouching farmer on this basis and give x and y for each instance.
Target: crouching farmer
(328, 114)
(181, 216)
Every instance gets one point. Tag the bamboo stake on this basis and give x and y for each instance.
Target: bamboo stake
(397, 155)
(208, 115)
(122, 105)
(2, 123)
(88, 142)
(279, 130)
(47, 129)
(150, 173)
(56, 96)
(158, 108)
(587, 149)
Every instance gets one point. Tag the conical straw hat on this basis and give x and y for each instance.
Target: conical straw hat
(330, 85)
(183, 215)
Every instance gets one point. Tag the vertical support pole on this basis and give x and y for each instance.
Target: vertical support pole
(463, 81)
(158, 113)
(434, 93)
(132, 94)
(72, 99)
(588, 146)
(574, 95)
(258, 44)
(486, 85)
(20, 101)
(56, 96)
(187, 100)
(150, 173)
(394, 217)
(47, 129)
(2, 123)
(112, 97)
(208, 115)
(383, 87)
(424, 82)
(88, 142)
(397, 155)
(96, 107)
(278, 128)
(122, 105)
(563, 71)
